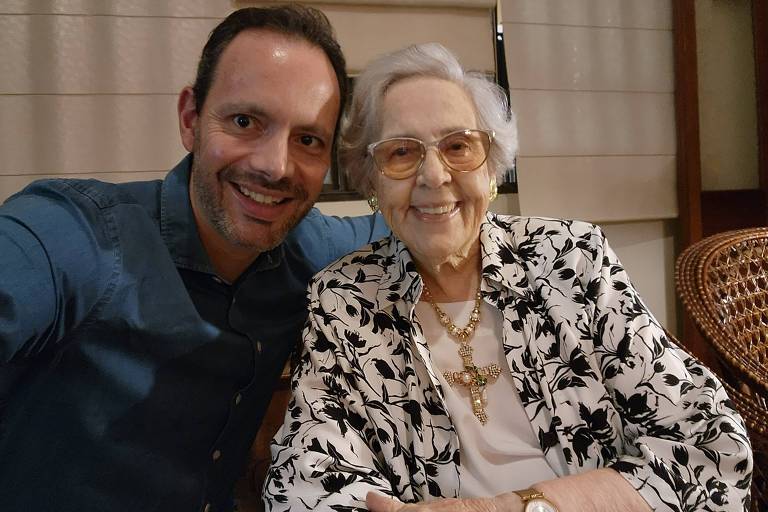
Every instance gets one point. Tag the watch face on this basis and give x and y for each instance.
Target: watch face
(539, 506)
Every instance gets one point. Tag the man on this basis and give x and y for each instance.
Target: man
(144, 325)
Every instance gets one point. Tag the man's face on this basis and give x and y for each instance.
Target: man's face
(262, 142)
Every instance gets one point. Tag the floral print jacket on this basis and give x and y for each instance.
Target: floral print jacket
(600, 382)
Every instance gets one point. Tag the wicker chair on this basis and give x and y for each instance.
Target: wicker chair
(723, 283)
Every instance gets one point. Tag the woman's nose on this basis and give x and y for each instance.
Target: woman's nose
(433, 172)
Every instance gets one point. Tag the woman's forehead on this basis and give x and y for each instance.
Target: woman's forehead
(425, 105)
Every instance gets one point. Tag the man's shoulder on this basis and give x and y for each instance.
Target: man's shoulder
(99, 194)
(327, 237)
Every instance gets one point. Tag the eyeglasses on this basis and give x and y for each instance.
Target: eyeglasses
(461, 151)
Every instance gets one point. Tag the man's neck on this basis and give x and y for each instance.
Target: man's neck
(230, 266)
(227, 260)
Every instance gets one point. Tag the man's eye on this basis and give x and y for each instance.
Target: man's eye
(309, 140)
(242, 120)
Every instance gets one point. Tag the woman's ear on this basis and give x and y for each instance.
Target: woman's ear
(187, 117)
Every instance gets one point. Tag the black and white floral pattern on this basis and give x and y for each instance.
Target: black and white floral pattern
(601, 384)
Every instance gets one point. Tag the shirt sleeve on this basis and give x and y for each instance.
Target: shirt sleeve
(323, 239)
(322, 456)
(351, 233)
(52, 249)
(686, 448)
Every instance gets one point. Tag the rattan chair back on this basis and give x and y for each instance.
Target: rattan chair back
(723, 283)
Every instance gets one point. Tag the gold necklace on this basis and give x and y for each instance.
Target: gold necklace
(472, 376)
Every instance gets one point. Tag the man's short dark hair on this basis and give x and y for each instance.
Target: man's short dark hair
(292, 20)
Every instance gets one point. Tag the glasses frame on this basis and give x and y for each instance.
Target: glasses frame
(425, 147)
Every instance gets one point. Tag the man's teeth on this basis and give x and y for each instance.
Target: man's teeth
(436, 210)
(259, 198)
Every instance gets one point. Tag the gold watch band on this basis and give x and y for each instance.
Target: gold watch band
(529, 494)
(534, 499)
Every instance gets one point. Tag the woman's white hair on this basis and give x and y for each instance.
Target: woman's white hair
(362, 124)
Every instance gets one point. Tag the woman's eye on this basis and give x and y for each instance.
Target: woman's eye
(242, 121)
(401, 151)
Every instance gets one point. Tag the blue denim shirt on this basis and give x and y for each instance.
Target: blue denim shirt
(131, 377)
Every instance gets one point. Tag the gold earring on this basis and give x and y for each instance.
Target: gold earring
(373, 202)
(494, 189)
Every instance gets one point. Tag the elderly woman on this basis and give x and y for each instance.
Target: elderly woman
(474, 361)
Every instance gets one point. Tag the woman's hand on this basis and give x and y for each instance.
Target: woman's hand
(598, 490)
(506, 503)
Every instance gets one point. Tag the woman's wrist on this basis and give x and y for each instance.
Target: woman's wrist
(509, 502)
(601, 490)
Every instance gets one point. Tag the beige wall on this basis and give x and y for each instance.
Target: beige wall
(727, 102)
(592, 82)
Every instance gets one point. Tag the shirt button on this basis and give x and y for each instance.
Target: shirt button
(238, 397)
(216, 455)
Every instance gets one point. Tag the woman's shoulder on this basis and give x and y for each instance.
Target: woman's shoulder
(519, 227)
(366, 264)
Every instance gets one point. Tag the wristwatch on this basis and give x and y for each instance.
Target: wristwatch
(535, 501)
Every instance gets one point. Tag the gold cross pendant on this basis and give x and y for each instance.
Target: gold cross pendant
(475, 378)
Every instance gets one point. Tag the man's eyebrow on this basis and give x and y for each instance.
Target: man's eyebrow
(242, 108)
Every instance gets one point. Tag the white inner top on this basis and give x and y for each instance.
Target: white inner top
(504, 454)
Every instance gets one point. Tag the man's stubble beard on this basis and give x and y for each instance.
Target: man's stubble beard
(208, 189)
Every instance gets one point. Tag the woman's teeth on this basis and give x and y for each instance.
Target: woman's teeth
(436, 210)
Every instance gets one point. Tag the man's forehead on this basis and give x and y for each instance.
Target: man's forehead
(273, 74)
(263, 56)
(265, 48)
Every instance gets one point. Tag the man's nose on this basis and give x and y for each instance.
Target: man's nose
(433, 172)
(271, 158)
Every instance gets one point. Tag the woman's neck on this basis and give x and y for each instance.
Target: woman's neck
(452, 282)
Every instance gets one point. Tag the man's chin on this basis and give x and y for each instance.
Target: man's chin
(268, 235)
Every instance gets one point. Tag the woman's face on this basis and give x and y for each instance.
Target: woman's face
(436, 212)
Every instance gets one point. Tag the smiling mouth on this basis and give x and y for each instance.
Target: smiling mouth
(436, 210)
(261, 198)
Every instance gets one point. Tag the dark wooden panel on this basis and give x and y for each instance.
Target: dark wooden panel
(725, 210)
(687, 119)
(760, 35)
(688, 157)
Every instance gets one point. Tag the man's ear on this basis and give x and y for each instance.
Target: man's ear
(187, 117)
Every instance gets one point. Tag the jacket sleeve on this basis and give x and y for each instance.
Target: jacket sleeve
(53, 253)
(323, 457)
(685, 447)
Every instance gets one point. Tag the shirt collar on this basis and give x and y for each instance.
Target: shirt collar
(503, 268)
(179, 228)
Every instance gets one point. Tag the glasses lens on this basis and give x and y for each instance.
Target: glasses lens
(465, 150)
(398, 158)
